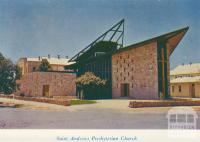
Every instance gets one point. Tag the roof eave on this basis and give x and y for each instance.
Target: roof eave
(164, 36)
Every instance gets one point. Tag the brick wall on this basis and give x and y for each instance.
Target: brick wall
(60, 84)
(138, 67)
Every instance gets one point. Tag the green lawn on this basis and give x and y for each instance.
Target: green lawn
(81, 102)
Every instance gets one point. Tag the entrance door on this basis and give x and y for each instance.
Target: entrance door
(193, 91)
(124, 90)
(46, 91)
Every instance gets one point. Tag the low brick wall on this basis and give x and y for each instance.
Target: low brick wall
(36, 99)
(7, 105)
(6, 96)
(163, 103)
(65, 97)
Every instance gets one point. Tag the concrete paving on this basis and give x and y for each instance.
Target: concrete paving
(105, 114)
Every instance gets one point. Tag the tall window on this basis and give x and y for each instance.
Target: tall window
(179, 88)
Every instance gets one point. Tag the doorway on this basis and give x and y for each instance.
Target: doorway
(124, 89)
(45, 91)
(193, 91)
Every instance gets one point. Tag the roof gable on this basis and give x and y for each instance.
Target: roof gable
(169, 37)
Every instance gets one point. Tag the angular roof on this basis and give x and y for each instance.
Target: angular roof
(185, 79)
(186, 69)
(52, 61)
(172, 38)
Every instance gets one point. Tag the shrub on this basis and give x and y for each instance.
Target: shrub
(91, 86)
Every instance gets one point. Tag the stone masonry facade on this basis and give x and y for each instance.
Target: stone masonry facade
(59, 84)
(137, 67)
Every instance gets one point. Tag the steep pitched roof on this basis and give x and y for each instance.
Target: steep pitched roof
(173, 39)
(186, 69)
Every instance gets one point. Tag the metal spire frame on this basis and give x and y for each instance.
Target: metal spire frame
(116, 35)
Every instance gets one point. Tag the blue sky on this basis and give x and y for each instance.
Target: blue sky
(39, 27)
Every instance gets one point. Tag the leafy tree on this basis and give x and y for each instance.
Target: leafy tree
(44, 66)
(9, 73)
(89, 79)
(91, 86)
(18, 72)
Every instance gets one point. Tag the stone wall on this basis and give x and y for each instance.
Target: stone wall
(64, 102)
(163, 103)
(138, 67)
(60, 84)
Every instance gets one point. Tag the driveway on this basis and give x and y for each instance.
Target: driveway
(105, 114)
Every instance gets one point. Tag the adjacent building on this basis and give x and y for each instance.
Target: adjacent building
(47, 84)
(56, 82)
(185, 81)
(32, 64)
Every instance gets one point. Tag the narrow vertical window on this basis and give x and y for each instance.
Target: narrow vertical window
(179, 88)
(173, 89)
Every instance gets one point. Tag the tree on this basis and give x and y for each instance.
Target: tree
(18, 72)
(89, 79)
(90, 86)
(44, 66)
(9, 73)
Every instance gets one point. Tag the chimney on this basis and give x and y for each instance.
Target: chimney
(49, 56)
(66, 57)
(39, 58)
(58, 56)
